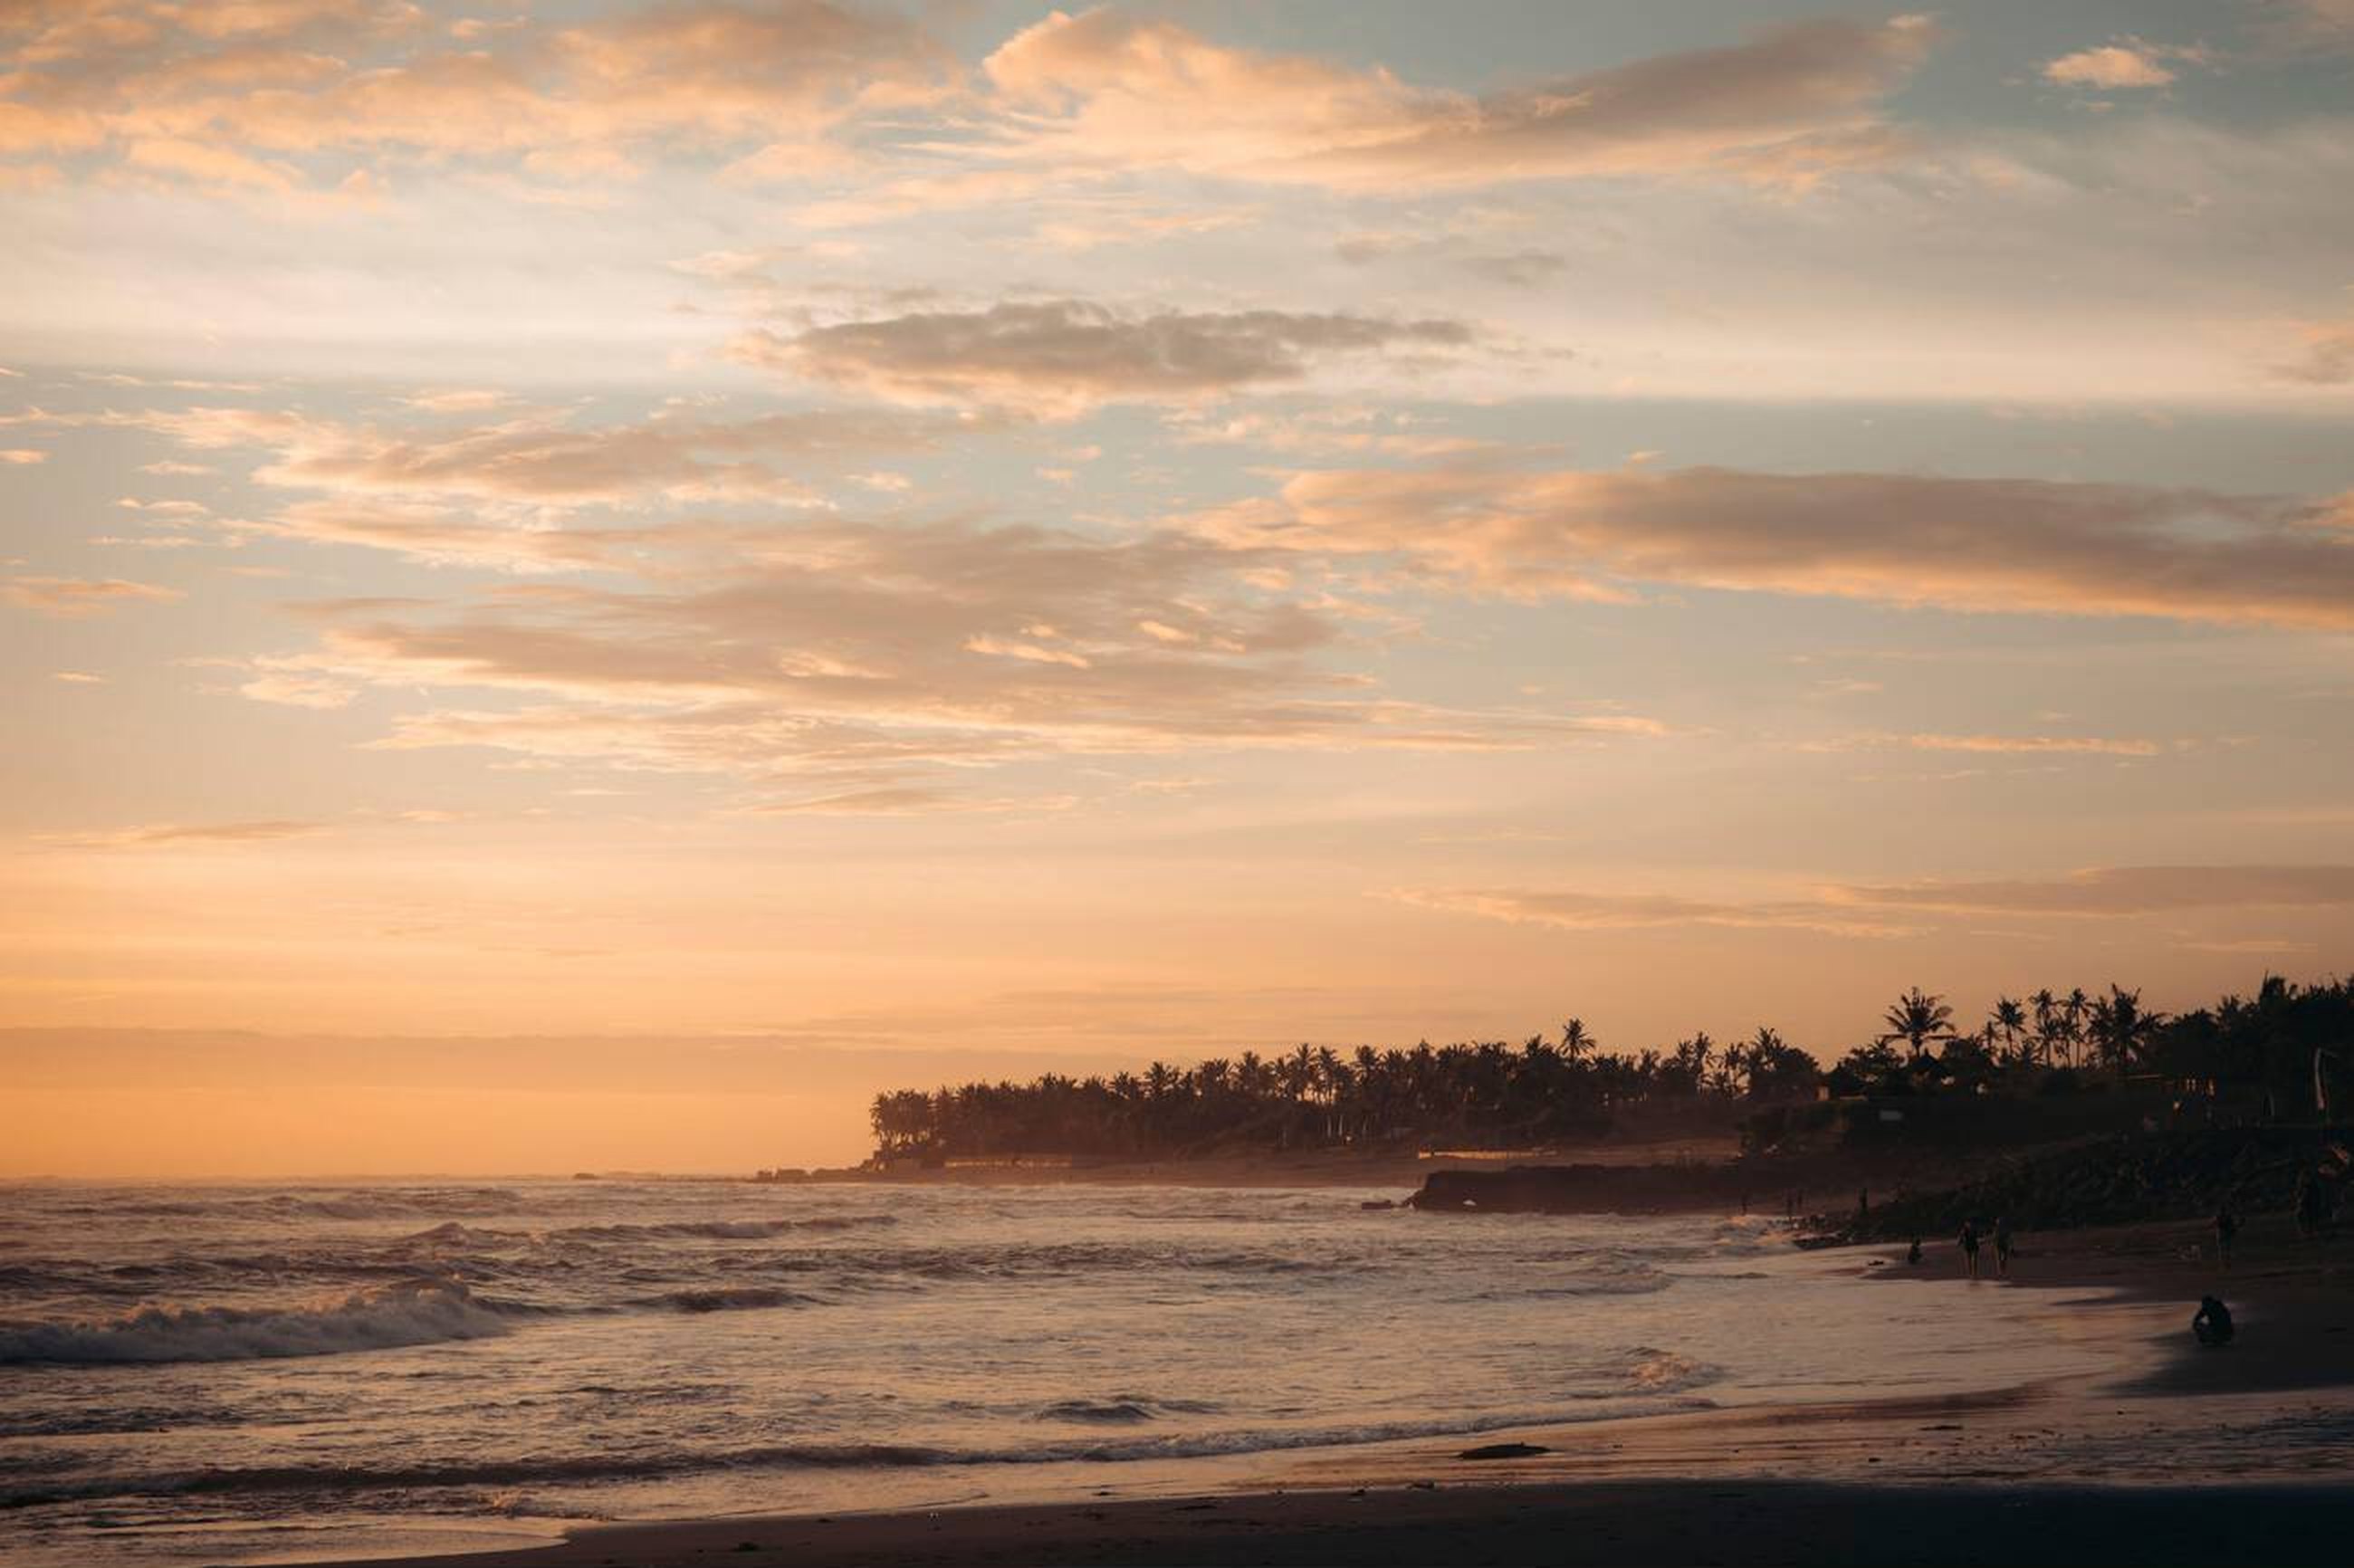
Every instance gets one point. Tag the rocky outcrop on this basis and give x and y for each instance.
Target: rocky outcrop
(1583, 1188)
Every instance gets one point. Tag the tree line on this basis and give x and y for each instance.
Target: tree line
(1551, 1087)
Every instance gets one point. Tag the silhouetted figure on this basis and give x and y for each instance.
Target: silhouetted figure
(1970, 1240)
(2227, 1227)
(2002, 1245)
(1913, 1252)
(2213, 1323)
(1863, 1200)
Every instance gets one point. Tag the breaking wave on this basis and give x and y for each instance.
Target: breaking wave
(412, 1312)
(592, 1468)
(1664, 1372)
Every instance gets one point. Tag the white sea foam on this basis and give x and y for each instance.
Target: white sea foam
(411, 1312)
(870, 1346)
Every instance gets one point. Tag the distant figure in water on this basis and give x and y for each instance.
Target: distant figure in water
(2213, 1323)
(1913, 1252)
(2227, 1226)
(2002, 1245)
(1969, 1239)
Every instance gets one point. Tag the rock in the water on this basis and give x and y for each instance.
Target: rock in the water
(1504, 1451)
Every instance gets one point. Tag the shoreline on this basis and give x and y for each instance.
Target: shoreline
(2066, 1460)
(1658, 1523)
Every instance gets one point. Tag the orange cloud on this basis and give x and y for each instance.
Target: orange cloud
(1848, 909)
(491, 495)
(213, 96)
(2124, 890)
(1104, 89)
(2128, 62)
(2036, 745)
(1580, 911)
(190, 832)
(1062, 357)
(1961, 544)
(76, 599)
(843, 659)
(761, 89)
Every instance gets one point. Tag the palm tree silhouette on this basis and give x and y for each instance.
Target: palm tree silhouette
(1917, 1018)
(2008, 1020)
(2073, 1009)
(1495, 1094)
(2119, 1027)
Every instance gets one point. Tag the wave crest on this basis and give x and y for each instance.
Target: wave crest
(410, 1312)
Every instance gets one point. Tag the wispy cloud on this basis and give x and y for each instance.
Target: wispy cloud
(164, 833)
(1855, 909)
(1062, 357)
(500, 493)
(867, 657)
(76, 599)
(1107, 90)
(2122, 890)
(2038, 745)
(313, 93)
(1567, 910)
(1962, 544)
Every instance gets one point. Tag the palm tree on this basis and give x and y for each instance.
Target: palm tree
(2047, 1022)
(2119, 1026)
(2073, 1009)
(1575, 1042)
(2008, 1020)
(1731, 1074)
(1916, 1019)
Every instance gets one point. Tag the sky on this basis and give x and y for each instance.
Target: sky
(587, 585)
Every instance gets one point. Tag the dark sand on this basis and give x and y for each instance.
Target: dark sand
(2241, 1455)
(1643, 1522)
(2292, 1299)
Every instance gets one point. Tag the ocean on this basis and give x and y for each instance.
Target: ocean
(246, 1373)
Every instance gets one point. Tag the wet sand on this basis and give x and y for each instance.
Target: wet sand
(1639, 1523)
(2292, 1299)
(2183, 1456)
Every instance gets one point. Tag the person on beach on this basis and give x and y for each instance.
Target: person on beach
(1913, 1252)
(2002, 1245)
(1969, 1239)
(2213, 1323)
(2227, 1226)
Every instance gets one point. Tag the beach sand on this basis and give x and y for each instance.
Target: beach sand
(2183, 1456)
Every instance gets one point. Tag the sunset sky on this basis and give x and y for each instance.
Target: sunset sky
(585, 585)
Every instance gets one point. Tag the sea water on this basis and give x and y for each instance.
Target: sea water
(246, 1373)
